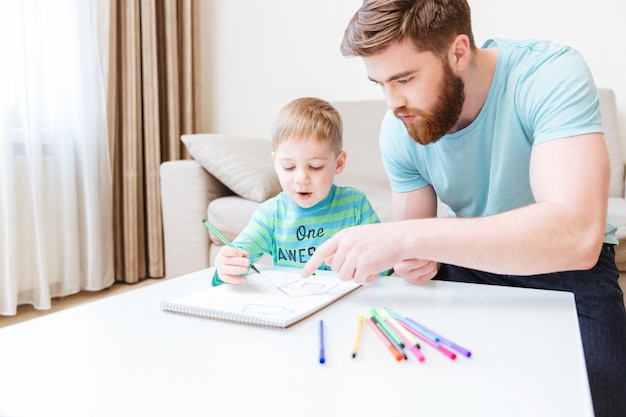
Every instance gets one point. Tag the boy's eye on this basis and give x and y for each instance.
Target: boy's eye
(317, 168)
(289, 168)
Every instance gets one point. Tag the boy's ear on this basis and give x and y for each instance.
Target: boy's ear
(341, 161)
(274, 162)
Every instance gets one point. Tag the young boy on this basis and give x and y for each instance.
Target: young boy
(308, 153)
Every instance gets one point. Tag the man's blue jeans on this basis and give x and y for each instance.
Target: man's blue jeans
(601, 316)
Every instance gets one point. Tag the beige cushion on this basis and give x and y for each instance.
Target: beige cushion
(608, 108)
(617, 214)
(243, 165)
(230, 215)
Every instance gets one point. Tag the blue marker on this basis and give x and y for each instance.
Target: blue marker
(322, 358)
(411, 323)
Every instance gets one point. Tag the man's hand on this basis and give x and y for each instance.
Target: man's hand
(416, 271)
(362, 252)
(356, 253)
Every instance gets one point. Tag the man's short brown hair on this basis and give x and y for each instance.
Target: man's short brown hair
(430, 24)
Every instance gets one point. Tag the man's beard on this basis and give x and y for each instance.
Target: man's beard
(430, 126)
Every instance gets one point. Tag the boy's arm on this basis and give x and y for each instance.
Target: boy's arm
(255, 239)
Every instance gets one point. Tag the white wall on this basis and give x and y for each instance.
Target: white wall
(259, 54)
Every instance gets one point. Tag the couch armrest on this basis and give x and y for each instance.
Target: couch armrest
(186, 191)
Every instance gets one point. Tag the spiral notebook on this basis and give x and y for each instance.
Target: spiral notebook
(278, 297)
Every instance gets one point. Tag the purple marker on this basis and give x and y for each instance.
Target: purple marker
(446, 342)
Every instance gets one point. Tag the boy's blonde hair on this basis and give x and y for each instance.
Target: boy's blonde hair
(311, 117)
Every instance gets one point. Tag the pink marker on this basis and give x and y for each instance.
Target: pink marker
(407, 342)
(431, 342)
(445, 341)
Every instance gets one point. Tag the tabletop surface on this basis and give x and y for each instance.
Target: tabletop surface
(123, 356)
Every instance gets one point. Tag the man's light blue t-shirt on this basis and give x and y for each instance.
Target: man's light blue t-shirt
(541, 91)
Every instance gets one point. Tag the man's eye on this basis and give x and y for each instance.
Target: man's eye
(405, 80)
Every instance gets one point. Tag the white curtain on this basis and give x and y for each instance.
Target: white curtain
(55, 176)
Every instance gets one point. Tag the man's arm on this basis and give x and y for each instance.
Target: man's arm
(416, 204)
(563, 230)
(572, 176)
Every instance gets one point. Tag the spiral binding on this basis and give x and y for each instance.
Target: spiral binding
(233, 317)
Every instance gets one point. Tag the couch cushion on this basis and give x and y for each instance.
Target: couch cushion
(617, 215)
(244, 165)
(230, 215)
(608, 108)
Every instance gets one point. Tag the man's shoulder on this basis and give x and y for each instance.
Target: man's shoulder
(532, 54)
(526, 45)
(539, 69)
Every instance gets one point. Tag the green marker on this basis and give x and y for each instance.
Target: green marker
(390, 333)
(223, 239)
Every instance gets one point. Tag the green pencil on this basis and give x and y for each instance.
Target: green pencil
(223, 239)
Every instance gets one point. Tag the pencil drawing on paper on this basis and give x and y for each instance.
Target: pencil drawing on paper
(268, 310)
(307, 286)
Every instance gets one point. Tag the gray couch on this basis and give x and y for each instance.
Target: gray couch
(228, 177)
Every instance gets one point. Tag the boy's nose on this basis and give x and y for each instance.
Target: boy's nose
(302, 176)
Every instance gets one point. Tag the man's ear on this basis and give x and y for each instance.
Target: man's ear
(341, 161)
(460, 53)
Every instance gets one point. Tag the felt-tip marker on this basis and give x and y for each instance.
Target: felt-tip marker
(322, 356)
(394, 351)
(357, 340)
(224, 239)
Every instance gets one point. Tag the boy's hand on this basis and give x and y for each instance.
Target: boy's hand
(232, 264)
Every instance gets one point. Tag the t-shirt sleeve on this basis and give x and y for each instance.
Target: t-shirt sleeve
(559, 99)
(256, 237)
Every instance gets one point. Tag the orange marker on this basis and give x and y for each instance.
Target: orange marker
(399, 356)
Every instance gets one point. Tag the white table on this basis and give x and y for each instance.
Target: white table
(123, 356)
